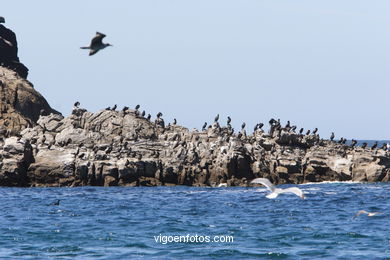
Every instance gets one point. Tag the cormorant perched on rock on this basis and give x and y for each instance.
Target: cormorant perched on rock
(137, 107)
(76, 104)
(216, 118)
(315, 131)
(174, 121)
(256, 127)
(272, 121)
(341, 140)
(96, 44)
(261, 125)
(143, 113)
(125, 108)
(107, 108)
(364, 145)
(384, 146)
(159, 114)
(293, 128)
(148, 117)
(229, 120)
(204, 126)
(344, 141)
(332, 136)
(243, 125)
(308, 132)
(301, 131)
(353, 143)
(114, 107)
(288, 124)
(374, 146)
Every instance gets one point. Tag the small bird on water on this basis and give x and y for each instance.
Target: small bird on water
(56, 203)
(276, 191)
(96, 44)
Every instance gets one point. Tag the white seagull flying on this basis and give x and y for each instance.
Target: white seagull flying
(276, 191)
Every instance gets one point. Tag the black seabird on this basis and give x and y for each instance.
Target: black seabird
(243, 125)
(261, 125)
(148, 117)
(174, 121)
(137, 107)
(125, 108)
(77, 104)
(301, 131)
(143, 113)
(308, 132)
(288, 124)
(114, 107)
(56, 203)
(353, 143)
(256, 127)
(96, 44)
(204, 126)
(272, 121)
(374, 145)
(315, 131)
(216, 118)
(332, 136)
(159, 114)
(229, 120)
(364, 145)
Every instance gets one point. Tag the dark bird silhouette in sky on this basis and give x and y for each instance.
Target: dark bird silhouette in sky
(96, 44)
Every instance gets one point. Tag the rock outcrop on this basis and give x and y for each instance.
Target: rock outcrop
(20, 104)
(9, 52)
(122, 148)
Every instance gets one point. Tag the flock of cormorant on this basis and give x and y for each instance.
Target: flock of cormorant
(275, 126)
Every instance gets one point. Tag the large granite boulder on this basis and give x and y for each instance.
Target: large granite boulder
(20, 104)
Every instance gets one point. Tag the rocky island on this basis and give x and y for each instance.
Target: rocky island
(40, 147)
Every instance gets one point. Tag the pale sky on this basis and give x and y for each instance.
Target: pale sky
(322, 64)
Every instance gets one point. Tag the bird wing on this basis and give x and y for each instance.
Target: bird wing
(295, 190)
(98, 38)
(264, 182)
(93, 51)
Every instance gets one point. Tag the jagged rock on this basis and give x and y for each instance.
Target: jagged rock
(113, 148)
(16, 157)
(9, 52)
(20, 104)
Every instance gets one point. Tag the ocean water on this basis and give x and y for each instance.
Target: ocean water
(126, 222)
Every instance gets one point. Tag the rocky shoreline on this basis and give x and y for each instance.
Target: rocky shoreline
(40, 147)
(111, 148)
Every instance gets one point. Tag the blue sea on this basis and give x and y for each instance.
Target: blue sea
(142, 223)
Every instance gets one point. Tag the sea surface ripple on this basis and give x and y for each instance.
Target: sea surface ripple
(123, 222)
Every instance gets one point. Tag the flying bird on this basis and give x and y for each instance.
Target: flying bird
(96, 44)
(276, 191)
